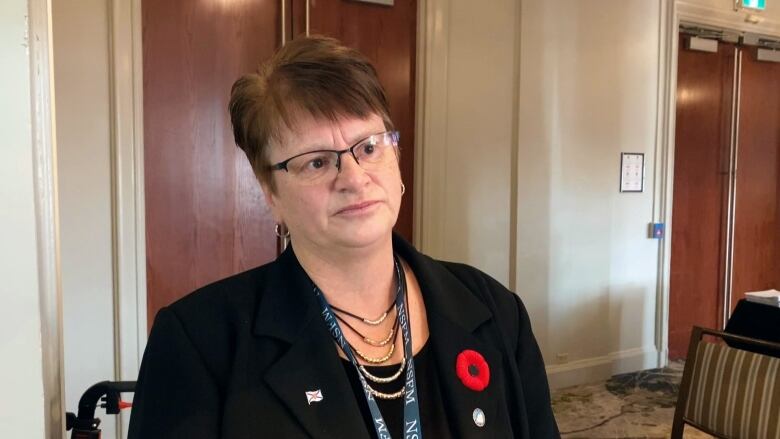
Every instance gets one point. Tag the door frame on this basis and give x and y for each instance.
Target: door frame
(127, 189)
(44, 152)
(431, 122)
(672, 14)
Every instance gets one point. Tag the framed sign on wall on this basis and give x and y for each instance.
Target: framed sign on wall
(632, 172)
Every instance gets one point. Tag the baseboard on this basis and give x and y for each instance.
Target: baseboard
(663, 357)
(594, 369)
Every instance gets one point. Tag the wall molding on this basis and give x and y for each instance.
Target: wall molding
(127, 180)
(431, 125)
(664, 166)
(596, 369)
(47, 215)
(515, 149)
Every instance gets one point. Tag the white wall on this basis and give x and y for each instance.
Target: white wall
(21, 380)
(482, 39)
(81, 80)
(538, 104)
(585, 266)
(466, 147)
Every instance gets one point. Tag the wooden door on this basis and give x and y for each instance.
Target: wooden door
(205, 216)
(701, 163)
(756, 227)
(387, 35)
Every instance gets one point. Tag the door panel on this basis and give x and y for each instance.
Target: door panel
(387, 35)
(205, 216)
(756, 223)
(702, 139)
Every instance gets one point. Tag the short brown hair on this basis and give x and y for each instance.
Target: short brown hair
(313, 75)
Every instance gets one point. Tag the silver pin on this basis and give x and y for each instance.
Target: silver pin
(479, 417)
(314, 396)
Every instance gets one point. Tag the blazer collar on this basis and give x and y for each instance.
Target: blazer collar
(444, 294)
(288, 302)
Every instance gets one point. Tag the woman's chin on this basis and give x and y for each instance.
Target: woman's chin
(365, 235)
(363, 231)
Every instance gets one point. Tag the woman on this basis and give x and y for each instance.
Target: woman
(350, 333)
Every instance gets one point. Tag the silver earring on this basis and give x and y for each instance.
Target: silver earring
(278, 228)
(403, 188)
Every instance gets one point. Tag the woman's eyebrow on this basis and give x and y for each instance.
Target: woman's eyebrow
(316, 145)
(364, 136)
(325, 146)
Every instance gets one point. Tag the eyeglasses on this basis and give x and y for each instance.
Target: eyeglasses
(371, 153)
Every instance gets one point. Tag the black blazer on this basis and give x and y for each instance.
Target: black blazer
(233, 359)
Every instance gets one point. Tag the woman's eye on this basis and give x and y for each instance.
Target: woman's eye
(316, 163)
(367, 149)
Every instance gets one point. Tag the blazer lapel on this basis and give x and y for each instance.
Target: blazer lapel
(290, 313)
(455, 320)
(312, 365)
(448, 341)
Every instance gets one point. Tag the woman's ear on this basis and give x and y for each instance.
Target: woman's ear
(271, 202)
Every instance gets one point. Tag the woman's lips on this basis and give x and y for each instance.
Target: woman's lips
(356, 208)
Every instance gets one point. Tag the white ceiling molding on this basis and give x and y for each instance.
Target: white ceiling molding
(690, 11)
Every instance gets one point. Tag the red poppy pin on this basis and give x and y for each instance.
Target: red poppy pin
(473, 370)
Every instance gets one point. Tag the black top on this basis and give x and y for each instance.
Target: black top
(432, 416)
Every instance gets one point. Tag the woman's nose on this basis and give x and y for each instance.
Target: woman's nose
(350, 171)
(344, 155)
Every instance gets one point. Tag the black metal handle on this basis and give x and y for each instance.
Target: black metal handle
(109, 393)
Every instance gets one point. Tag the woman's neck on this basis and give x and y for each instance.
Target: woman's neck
(361, 281)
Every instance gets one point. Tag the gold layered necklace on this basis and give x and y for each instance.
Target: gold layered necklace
(368, 340)
(379, 360)
(373, 322)
(390, 339)
(383, 380)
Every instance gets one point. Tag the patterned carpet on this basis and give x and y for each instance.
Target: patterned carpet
(635, 405)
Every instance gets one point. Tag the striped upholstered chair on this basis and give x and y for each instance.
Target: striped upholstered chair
(727, 392)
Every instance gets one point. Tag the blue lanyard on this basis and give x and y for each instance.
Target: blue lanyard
(412, 428)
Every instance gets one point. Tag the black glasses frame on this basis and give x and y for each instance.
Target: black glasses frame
(282, 166)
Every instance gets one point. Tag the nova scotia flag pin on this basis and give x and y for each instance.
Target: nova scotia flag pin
(314, 396)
